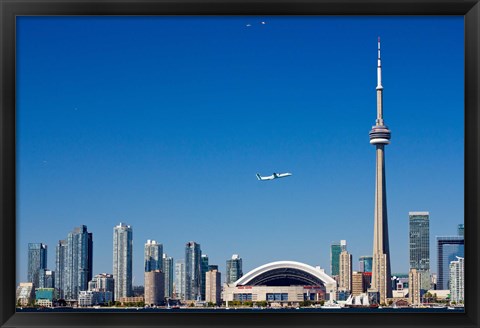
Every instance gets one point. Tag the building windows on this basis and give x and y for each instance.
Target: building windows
(277, 297)
(242, 297)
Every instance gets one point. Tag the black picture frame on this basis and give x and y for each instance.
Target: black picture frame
(470, 9)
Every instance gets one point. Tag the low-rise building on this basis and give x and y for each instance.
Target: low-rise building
(45, 296)
(132, 299)
(25, 293)
(91, 298)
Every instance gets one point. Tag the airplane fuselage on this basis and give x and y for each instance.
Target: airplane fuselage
(273, 176)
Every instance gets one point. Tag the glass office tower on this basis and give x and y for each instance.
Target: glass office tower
(204, 272)
(365, 263)
(448, 249)
(234, 269)
(37, 260)
(180, 279)
(193, 271)
(419, 246)
(168, 270)
(419, 241)
(153, 256)
(335, 249)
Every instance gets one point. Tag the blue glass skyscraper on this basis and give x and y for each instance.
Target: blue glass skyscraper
(153, 256)
(335, 249)
(204, 272)
(365, 263)
(193, 271)
(448, 249)
(74, 263)
(37, 260)
(234, 269)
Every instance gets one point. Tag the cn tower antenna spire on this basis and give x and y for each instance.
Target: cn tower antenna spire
(379, 68)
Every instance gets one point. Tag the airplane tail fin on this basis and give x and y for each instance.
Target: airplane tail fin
(258, 177)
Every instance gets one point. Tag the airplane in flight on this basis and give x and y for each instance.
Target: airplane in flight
(273, 176)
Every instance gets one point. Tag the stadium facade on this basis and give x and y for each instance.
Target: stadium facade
(282, 282)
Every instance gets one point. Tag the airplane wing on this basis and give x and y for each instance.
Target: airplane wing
(273, 176)
(270, 177)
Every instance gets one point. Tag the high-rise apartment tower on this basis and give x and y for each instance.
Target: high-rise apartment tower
(180, 279)
(74, 263)
(122, 260)
(193, 271)
(153, 256)
(168, 270)
(37, 260)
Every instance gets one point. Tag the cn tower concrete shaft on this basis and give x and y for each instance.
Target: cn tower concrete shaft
(380, 137)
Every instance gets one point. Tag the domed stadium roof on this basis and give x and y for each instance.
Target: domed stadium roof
(285, 273)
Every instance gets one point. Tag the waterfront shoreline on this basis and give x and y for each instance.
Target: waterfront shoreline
(239, 310)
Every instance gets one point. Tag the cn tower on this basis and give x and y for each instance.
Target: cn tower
(380, 137)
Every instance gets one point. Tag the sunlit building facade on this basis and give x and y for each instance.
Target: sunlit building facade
(414, 286)
(345, 273)
(25, 293)
(180, 279)
(213, 287)
(282, 283)
(102, 282)
(457, 280)
(154, 287)
(122, 260)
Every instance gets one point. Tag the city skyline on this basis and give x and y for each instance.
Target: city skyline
(279, 123)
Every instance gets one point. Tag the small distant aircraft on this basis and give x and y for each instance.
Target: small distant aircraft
(273, 176)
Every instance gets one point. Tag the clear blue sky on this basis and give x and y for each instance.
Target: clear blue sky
(163, 122)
